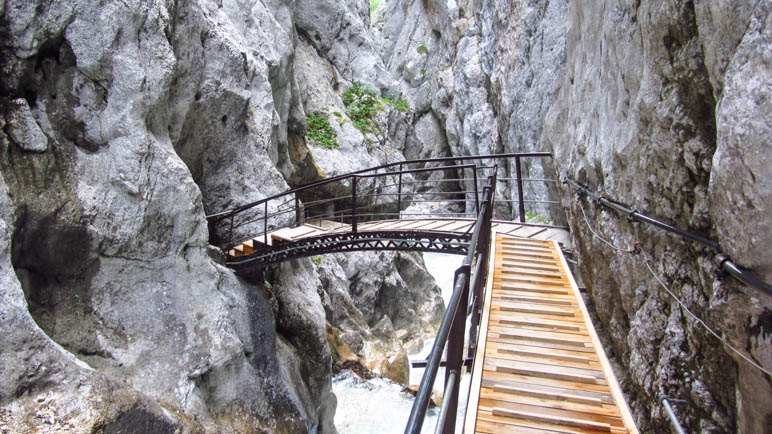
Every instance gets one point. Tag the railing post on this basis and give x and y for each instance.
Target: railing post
(455, 352)
(265, 223)
(354, 204)
(399, 193)
(476, 193)
(520, 203)
(297, 210)
(230, 230)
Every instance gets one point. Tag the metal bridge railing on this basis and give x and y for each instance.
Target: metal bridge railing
(377, 193)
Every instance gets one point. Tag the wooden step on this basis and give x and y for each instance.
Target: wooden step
(530, 391)
(550, 337)
(527, 308)
(539, 417)
(553, 325)
(537, 300)
(532, 352)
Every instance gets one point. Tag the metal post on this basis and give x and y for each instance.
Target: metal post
(354, 204)
(399, 193)
(476, 194)
(475, 294)
(297, 210)
(455, 352)
(520, 203)
(265, 223)
(230, 230)
(450, 384)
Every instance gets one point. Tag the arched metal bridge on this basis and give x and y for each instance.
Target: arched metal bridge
(515, 318)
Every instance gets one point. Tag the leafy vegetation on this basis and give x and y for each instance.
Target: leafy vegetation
(374, 5)
(320, 131)
(531, 216)
(398, 103)
(316, 259)
(422, 49)
(363, 103)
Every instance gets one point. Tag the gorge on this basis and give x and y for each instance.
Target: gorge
(126, 123)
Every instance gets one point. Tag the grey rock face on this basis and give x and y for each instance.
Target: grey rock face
(23, 131)
(109, 239)
(385, 302)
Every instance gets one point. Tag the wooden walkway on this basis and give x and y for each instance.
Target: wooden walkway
(315, 228)
(540, 366)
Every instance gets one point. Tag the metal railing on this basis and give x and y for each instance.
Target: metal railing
(382, 192)
(721, 260)
(466, 299)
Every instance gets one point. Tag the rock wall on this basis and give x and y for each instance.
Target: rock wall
(663, 106)
(123, 123)
(381, 305)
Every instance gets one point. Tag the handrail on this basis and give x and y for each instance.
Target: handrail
(451, 331)
(226, 226)
(721, 260)
(225, 214)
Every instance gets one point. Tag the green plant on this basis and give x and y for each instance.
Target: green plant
(374, 5)
(400, 104)
(320, 131)
(316, 259)
(362, 104)
(531, 215)
(422, 49)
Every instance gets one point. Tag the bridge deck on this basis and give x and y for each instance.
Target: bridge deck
(316, 228)
(540, 366)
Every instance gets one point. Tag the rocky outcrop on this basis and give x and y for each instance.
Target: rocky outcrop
(662, 106)
(384, 304)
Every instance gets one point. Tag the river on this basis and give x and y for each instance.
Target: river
(378, 406)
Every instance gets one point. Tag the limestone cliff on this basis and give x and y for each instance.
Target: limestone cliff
(662, 105)
(123, 124)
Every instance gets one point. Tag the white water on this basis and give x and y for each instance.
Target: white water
(378, 406)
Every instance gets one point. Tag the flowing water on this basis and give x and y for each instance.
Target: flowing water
(378, 406)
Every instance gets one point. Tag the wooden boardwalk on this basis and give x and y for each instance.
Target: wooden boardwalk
(315, 228)
(540, 366)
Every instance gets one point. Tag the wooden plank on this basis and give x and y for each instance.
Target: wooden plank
(531, 232)
(552, 325)
(591, 396)
(489, 425)
(576, 340)
(546, 266)
(528, 279)
(524, 353)
(525, 287)
(579, 423)
(458, 226)
(536, 300)
(530, 391)
(554, 372)
(567, 402)
(578, 412)
(530, 308)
